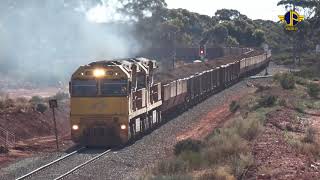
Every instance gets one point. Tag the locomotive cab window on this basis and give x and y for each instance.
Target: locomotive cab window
(114, 87)
(84, 88)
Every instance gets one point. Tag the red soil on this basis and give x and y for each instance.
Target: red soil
(214, 119)
(276, 159)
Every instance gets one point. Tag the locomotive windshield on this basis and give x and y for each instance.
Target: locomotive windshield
(108, 87)
(84, 88)
(114, 87)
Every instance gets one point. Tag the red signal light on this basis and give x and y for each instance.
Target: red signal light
(202, 50)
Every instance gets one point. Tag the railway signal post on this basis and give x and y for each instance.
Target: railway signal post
(53, 103)
(202, 52)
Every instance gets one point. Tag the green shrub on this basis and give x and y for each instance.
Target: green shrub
(194, 159)
(312, 149)
(187, 145)
(306, 73)
(173, 166)
(310, 135)
(313, 90)
(42, 108)
(36, 100)
(234, 106)
(268, 101)
(61, 96)
(240, 163)
(223, 146)
(301, 81)
(287, 81)
(283, 102)
(248, 129)
(277, 77)
(299, 107)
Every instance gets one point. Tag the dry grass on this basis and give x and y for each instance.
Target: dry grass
(306, 144)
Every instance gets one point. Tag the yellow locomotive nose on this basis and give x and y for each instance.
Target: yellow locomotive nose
(107, 97)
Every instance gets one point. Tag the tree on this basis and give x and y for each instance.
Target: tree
(139, 9)
(218, 34)
(227, 14)
(231, 42)
(258, 37)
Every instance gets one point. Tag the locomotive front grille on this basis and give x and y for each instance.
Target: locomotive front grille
(97, 132)
(100, 136)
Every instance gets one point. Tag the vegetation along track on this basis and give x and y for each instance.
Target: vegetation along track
(66, 165)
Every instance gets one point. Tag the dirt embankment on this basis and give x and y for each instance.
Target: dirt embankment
(33, 130)
(28, 123)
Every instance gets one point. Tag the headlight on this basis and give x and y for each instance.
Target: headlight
(123, 127)
(75, 127)
(99, 72)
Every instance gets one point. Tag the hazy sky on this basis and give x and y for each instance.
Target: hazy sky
(255, 9)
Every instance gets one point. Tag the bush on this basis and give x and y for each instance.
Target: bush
(248, 129)
(310, 135)
(224, 146)
(301, 81)
(283, 102)
(313, 90)
(223, 173)
(299, 107)
(61, 96)
(194, 159)
(187, 145)
(220, 173)
(268, 101)
(306, 73)
(234, 106)
(277, 77)
(36, 100)
(3, 150)
(310, 149)
(42, 108)
(173, 166)
(240, 163)
(287, 81)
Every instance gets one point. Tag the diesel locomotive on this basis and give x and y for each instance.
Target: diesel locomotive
(112, 102)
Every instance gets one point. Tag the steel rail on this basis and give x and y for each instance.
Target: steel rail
(81, 165)
(49, 164)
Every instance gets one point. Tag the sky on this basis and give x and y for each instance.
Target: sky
(254, 9)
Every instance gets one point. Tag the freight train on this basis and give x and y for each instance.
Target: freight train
(116, 101)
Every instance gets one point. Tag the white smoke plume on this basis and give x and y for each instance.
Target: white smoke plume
(45, 40)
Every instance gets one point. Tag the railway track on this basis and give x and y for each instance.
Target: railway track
(49, 170)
